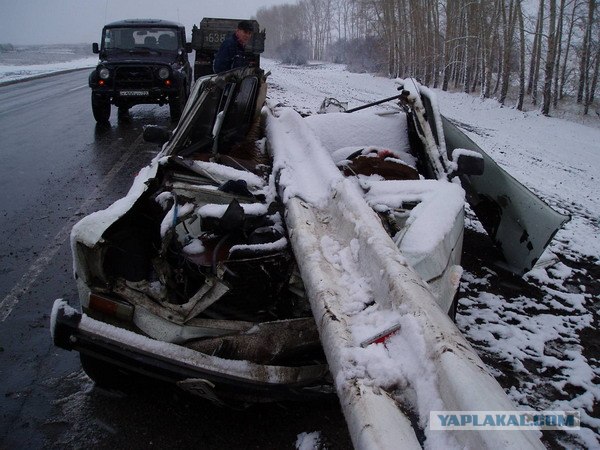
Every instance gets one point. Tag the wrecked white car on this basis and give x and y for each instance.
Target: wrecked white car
(191, 278)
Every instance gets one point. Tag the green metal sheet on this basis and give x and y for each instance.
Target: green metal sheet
(520, 223)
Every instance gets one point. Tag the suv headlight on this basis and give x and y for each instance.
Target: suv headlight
(163, 73)
(104, 73)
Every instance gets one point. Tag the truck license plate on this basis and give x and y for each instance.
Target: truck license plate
(134, 93)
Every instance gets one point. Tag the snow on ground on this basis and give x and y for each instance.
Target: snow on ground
(309, 441)
(538, 334)
(10, 72)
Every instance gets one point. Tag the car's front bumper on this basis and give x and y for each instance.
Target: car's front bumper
(201, 374)
(150, 95)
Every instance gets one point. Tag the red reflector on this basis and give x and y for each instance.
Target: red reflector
(110, 307)
(381, 338)
(101, 82)
(167, 82)
(103, 305)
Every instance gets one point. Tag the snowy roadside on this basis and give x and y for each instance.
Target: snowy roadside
(13, 73)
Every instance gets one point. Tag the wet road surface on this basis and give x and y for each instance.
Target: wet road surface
(57, 165)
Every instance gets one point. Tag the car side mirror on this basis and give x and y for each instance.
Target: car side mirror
(95, 48)
(188, 47)
(468, 162)
(156, 135)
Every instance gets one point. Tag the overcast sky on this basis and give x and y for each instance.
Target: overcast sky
(74, 21)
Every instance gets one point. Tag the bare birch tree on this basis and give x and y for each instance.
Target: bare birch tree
(585, 61)
(592, 75)
(550, 59)
(509, 20)
(536, 57)
(521, 96)
(559, 45)
(595, 76)
(565, 67)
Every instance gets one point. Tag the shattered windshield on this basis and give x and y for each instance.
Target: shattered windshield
(151, 39)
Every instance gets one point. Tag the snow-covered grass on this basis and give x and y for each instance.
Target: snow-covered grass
(9, 72)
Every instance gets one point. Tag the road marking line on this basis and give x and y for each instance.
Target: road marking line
(77, 88)
(37, 267)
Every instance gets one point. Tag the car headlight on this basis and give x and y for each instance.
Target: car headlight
(104, 73)
(163, 73)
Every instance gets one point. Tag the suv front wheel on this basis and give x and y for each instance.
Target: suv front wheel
(101, 108)
(176, 104)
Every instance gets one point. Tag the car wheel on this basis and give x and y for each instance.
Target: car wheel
(123, 114)
(106, 375)
(101, 108)
(176, 105)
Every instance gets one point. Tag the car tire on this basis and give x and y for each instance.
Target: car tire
(123, 114)
(101, 108)
(176, 105)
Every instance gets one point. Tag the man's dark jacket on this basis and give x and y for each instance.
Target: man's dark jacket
(230, 55)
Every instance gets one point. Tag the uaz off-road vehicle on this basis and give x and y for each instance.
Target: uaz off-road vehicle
(141, 61)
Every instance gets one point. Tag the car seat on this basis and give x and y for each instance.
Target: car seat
(150, 41)
(167, 42)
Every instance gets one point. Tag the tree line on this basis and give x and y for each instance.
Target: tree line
(536, 50)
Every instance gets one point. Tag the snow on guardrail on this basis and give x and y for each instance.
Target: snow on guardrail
(359, 285)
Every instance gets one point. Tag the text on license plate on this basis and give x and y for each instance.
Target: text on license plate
(134, 93)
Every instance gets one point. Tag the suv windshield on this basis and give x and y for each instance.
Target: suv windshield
(142, 39)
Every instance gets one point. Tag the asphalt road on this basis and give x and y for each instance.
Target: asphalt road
(57, 165)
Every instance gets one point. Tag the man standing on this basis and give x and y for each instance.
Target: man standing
(231, 52)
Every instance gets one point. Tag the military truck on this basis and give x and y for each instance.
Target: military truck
(141, 61)
(207, 40)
